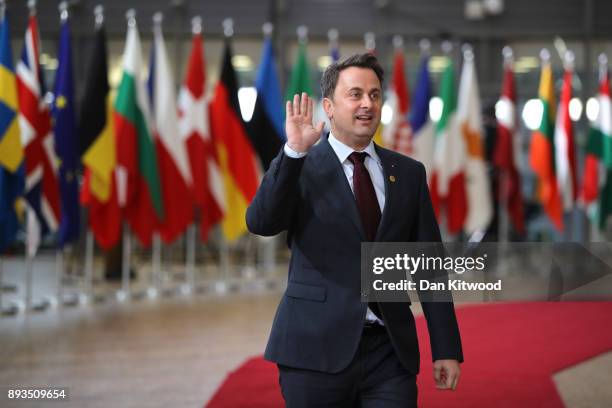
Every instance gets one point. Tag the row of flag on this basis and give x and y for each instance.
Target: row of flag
(553, 155)
(452, 149)
(150, 158)
(147, 157)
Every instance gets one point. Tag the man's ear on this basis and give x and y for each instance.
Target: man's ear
(328, 108)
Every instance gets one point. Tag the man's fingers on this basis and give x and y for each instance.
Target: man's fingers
(446, 378)
(289, 109)
(296, 104)
(310, 110)
(455, 381)
(456, 376)
(304, 104)
(446, 374)
(450, 380)
(437, 372)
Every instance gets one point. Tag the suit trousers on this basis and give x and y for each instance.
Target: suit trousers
(375, 378)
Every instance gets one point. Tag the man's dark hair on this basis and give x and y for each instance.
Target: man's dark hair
(330, 76)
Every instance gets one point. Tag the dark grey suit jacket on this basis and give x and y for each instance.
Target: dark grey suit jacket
(319, 321)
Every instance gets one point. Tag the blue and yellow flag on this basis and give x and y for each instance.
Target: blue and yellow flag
(11, 150)
(66, 143)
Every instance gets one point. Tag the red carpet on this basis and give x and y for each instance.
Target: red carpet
(511, 352)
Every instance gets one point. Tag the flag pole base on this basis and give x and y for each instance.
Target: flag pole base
(186, 289)
(122, 296)
(152, 293)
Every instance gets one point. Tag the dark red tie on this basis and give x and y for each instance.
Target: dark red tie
(369, 210)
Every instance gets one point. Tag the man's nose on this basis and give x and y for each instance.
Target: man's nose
(366, 102)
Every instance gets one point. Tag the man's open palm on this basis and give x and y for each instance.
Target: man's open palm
(301, 134)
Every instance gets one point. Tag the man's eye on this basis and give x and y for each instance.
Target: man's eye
(375, 96)
(354, 95)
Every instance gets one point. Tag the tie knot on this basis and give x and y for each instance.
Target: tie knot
(357, 157)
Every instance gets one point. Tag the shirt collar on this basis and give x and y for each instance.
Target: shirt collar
(343, 151)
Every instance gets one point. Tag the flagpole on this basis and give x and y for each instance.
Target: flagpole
(268, 29)
(468, 56)
(369, 40)
(221, 286)
(594, 231)
(302, 34)
(99, 15)
(1, 280)
(333, 43)
(154, 286)
(89, 252)
(15, 307)
(568, 65)
(28, 284)
(502, 191)
(268, 262)
(59, 269)
(89, 249)
(603, 74)
(224, 262)
(252, 250)
(31, 7)
(124, 293)
(248, 270)
(544, 62)
(60, 257)
(189, 285)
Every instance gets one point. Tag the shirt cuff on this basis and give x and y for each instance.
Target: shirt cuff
(292, 153)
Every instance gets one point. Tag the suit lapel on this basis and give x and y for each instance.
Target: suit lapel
(331, 171)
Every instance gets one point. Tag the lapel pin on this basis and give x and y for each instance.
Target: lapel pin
(392, 179)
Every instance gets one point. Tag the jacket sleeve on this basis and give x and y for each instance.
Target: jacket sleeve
(272, 209)
(440, 315)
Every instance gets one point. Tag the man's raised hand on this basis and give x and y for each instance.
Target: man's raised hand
(301, 134)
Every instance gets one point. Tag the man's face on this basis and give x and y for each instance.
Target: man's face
(355, 107)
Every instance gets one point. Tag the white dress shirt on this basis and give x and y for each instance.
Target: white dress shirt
(374, 166)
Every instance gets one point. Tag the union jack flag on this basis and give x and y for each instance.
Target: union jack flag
(41, 190)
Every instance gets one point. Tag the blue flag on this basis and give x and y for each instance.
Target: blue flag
(11, 150)
(268, 89)
(266, 128)
(422, 139)
(66, 142)
(419, 115)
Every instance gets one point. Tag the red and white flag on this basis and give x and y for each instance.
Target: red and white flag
(507, 150)
(174, 169)
(194, 129)
(565, 150)
(469, 115)
(396, 135)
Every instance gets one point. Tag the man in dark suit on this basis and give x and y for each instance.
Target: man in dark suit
(333, 350)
